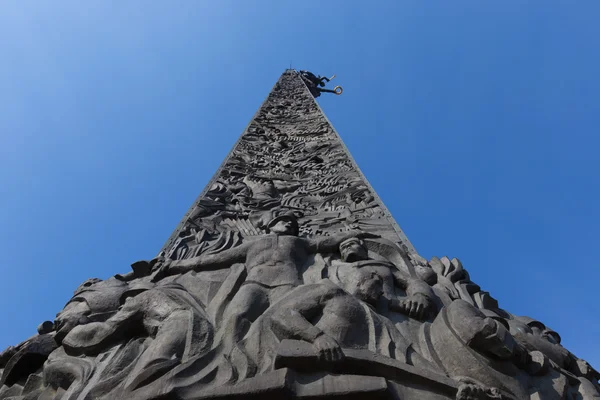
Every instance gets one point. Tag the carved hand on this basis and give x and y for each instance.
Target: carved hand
(161, 264)
(161, 269)
(329, 349)
(416, 306)
(470, 390)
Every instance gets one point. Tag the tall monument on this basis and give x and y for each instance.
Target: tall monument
(288, 278)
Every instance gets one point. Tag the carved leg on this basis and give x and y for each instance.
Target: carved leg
(247, 305)
(95, 336)
(277, 293)
(165, 351)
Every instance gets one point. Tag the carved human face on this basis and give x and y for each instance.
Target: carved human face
(283, 227)
(535, 336)
(353, 250)
(541, 331)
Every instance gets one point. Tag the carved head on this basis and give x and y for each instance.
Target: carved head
(284, 225)
(92, 296)
(534, 335)
(87, 285)
(75, 313)
(366, 285)
(353, 249)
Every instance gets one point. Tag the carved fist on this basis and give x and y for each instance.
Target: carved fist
(145, 268)
(471, 390)
(329, 349)
(160, 269)
(161, 263)
(417, 306)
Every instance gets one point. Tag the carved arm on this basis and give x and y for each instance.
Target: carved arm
(331, 243)
(419, 297)
(223, 259)
(292, 322)
(412, 286)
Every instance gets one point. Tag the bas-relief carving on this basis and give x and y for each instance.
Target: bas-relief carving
(288, 279)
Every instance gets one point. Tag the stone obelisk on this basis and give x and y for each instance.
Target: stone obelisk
(288, 278)
(289, 159)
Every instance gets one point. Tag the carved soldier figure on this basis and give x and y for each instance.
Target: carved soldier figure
(94, 300)
(168, 313)
(273, 264)
(340, 315)
(568, 372)
(419, 301)
(331, 319)
(465, 343)
(518, 357)
(225, 312)
(322, 314)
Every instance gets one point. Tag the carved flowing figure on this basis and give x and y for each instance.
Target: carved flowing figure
(332, 318)
(559, 373)
(94, 300)
(273, 263)
(419, 302)
(168, 313)
(324, 315)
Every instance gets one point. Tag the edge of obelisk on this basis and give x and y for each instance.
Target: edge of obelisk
(387, 213)
(217, 174)
(394, 224)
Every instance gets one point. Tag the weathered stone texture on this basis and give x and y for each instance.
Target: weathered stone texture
(288, 278)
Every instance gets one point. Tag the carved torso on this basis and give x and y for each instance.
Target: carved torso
(275, 260)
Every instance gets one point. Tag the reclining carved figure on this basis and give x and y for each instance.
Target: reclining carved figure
(331, 319)
(273, 264)
(168, 314)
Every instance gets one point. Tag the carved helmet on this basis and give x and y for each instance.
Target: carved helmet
(546, 331)
(285, 217)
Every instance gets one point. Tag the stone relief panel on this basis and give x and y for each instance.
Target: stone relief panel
(289, 159)
(288, 280)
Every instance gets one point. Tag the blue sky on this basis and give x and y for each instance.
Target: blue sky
(476, 122)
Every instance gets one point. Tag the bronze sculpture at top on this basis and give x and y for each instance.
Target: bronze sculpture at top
(288, 278)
